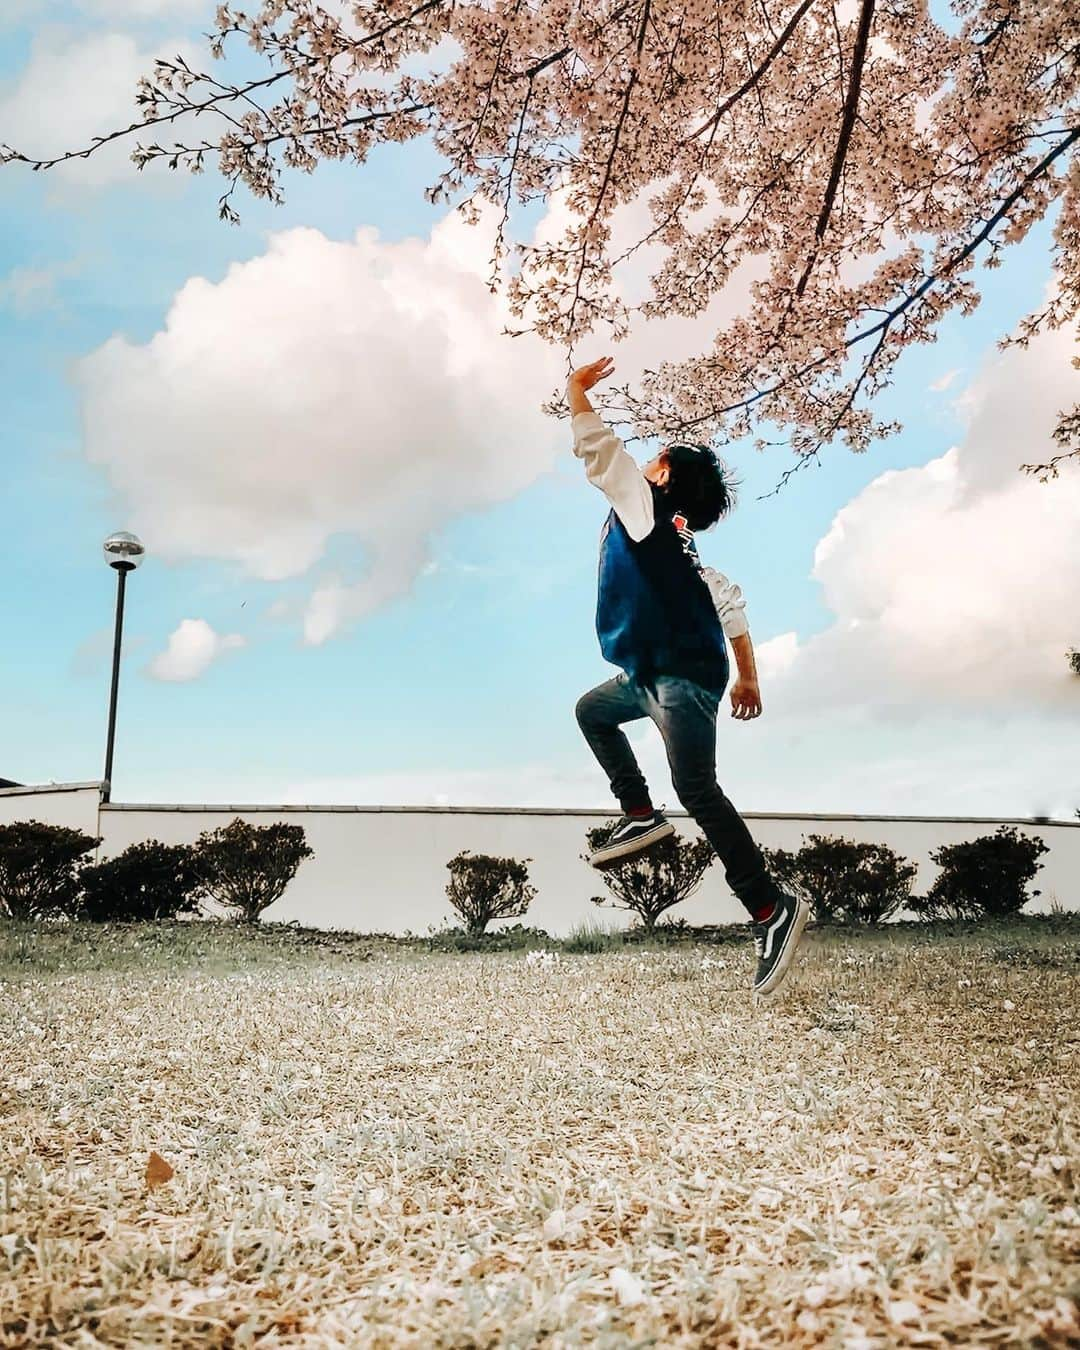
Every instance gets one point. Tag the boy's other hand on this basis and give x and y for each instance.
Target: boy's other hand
(586, 376)
(745, 700)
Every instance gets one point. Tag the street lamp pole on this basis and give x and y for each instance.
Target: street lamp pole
(123, 552)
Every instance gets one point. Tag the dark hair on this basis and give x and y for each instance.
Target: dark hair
(699, 486)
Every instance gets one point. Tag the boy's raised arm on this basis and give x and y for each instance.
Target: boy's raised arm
(608, 465)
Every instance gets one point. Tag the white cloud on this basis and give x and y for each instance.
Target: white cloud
(777, 655)
(191, 649)
(32, 290)
(75, 86)
(149, 9)
(955, 584)
(944, 382)
(118, 11)
(324, 388)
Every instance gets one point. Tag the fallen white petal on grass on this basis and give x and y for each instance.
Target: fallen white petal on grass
(902, 1311)
(545, 959)
(628, 1288)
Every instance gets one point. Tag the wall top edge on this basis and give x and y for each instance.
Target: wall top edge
(595, 813)
(252, 808)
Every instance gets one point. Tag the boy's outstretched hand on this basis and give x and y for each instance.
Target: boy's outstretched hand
(745, 700)
(586, 376)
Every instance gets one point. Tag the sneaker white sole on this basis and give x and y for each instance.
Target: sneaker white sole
(604, 857)
(787, 951)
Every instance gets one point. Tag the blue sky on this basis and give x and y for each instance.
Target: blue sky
(896, 646)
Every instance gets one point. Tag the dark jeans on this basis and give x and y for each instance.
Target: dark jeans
(686, 716)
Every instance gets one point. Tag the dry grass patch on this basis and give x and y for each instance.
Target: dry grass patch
(514, 1150)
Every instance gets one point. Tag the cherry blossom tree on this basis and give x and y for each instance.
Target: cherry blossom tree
(866, 156)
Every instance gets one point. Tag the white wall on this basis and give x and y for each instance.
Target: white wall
(385, 869)
(72, 804)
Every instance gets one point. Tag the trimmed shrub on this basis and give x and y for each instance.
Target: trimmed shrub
(483, 889)
(983, 878)
(517, 937)
(146, 881)
(649, 884)
(590, 937)
(39, 869)
(244, 868)
(844, 881)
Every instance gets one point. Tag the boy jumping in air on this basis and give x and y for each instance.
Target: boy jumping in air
(662, 619)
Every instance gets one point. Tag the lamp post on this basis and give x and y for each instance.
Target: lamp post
(124, 552)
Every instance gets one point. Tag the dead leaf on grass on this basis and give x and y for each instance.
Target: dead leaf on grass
(158, 1171)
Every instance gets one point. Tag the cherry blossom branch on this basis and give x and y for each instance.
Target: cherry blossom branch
(296, 134)
(1067, 434)
(610, 164)
(10, 156)
(811, 457)
(893, 314)
(756, 76)
(847, 127)
(505, 220)
(1050, 469)
(950, 266)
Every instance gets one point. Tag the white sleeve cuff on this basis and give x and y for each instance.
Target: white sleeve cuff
(582, 423)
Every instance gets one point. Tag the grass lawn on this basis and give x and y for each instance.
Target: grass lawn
(373, 1144)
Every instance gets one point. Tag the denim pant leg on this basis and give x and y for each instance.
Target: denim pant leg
(686, 716)
(600, 713)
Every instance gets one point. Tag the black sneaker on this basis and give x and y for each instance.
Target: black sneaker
(633, 834)
(776, 940)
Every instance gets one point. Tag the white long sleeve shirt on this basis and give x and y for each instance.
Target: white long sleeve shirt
(612, 469)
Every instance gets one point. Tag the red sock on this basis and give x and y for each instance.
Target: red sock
(763, 913)
(639, 812)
